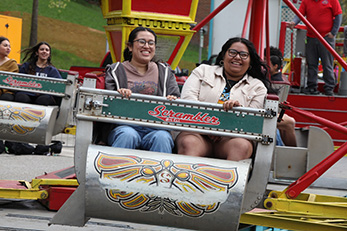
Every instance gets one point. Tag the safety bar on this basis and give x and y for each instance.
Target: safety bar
(35, 84)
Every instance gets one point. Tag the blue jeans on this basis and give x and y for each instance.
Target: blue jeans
(137, 137)
(279, 141)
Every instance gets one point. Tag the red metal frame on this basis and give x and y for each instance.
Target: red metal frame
(308, 178)
(245, 24)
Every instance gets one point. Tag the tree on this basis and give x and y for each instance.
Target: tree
(33, 30)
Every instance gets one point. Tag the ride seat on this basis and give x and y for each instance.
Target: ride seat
(30, 123)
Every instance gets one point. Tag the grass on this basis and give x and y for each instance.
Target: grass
(64, 60)
(191, 57)
(77, 11)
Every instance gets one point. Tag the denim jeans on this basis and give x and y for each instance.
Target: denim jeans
(279, 141)
(137, 137)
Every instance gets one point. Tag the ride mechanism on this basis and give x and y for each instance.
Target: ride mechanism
(162, 189)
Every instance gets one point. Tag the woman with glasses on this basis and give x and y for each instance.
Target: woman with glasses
(239, 78)
(140, 74)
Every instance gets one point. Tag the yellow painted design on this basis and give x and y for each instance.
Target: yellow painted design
(21, 120)
(166, 173)
(148, 171)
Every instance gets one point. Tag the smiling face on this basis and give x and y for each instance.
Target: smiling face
(5, 48)
(236, 67)
(142, 53)
(44, 52)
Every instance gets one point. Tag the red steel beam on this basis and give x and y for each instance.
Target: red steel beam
(257, 24)
(245, 24)
(211, 15)
(308, 178)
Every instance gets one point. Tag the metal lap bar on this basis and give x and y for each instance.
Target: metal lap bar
(182, 115)
(35, 84)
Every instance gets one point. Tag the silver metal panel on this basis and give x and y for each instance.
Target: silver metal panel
(289, 162)
(164, 189)
(27, 122)
(262, 162)
(73, 210)
(283, 89)
(320, 145)
(66, 109)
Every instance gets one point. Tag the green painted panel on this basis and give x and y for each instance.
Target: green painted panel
(249, 123)
(17, 81)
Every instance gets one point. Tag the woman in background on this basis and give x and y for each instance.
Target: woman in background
(38, 62)
(6, 64)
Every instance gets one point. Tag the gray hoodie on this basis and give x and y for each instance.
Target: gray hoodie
(116, 78)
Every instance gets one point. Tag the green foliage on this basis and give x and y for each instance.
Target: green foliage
(64, 60)
(191, 57)
(75, 11)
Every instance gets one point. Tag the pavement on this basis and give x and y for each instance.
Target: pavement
(25, 215)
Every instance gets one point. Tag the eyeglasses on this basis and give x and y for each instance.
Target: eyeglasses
(243, 54)
(143, 42)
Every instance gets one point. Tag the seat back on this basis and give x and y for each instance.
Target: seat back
(283, 87)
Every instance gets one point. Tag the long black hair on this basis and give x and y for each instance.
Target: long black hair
(258, 68)
(31, 57)
(276, 57)
(127, 54)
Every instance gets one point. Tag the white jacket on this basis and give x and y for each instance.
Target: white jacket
(206, 84)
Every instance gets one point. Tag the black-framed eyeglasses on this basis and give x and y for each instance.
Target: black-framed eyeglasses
(243, 54)
(143, 42)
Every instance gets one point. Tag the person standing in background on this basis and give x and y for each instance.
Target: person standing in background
(325, 16)
(286, 127)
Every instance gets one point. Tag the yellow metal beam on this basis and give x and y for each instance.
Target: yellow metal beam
(34, 190)
(292, 221)
(306, 212)
(308, 204)
(28, 194)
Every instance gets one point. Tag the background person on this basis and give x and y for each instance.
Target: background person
(325, 16)
(38, 62)
(287, 125)
(6, 64)
(140, 74)
(238, 79)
